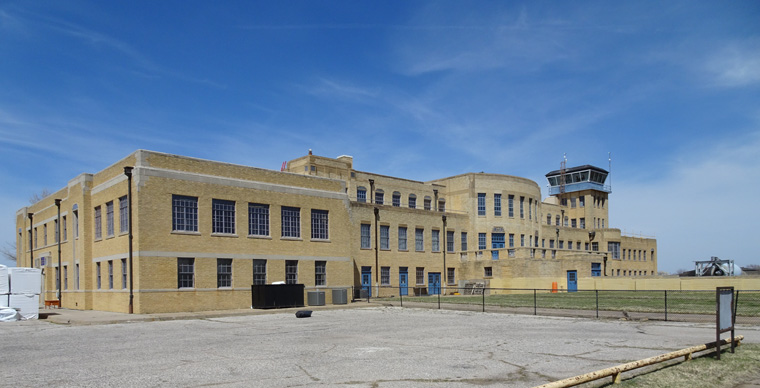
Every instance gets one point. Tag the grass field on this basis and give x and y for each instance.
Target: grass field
(705, 371)
(678, 302)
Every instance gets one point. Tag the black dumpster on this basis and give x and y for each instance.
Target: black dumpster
(272, 296)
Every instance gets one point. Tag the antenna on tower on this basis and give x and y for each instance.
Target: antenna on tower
(609, 167)
(562, 166)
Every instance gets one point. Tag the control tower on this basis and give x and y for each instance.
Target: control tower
(582, 194)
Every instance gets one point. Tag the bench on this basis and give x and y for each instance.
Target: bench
(51, 303)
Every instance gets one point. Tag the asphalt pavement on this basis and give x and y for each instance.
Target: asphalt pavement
(358, 345)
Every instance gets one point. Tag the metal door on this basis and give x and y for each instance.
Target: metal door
(434, 283)
(572, 281)
(497, 242)
(403, 281)
(367, 280)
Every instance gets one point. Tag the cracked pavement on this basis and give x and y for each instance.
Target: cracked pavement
(364, 347)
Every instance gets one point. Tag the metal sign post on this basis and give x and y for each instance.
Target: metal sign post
(724, 316)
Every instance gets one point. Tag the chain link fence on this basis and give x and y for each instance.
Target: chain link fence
(667, 305)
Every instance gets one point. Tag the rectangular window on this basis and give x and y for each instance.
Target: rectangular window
(569, 245)
(419, 239)
(223, 214)
(481, 241)
(259, 272)
(258, 219)
(426, 203)
(596, 269)
(44, 235)
(450, 241)
(123, 273)
(511, 240)
(291, 271)
(397, 199)
(522, 207)
(76, 275)
(572, 202)
(614, 249)
(223, 273)
(450, 279)
(109, 218)
(366, 242)
(551, 244)
(497, 204)
(97, 273)
(110, 274)
(184, 213)
(511, 205)
(320, 273)
(55, 232)
(595, 246)
(385, 276)
(98, 224)
(385, 232)
(464, 241)
(530, 209)
(420, 275)
(582, 201)
(185, 272)
(481, 204)
(361, 194)
(487, 272)
(65, 230)
(291, 222)
(412, 202)
(522, 240)
(586, 246)
(573, 223)
(123, 215)
(319, 225)
(65, 277)
(582, 223)
(561, 244)
(402, 238)
(435, 240)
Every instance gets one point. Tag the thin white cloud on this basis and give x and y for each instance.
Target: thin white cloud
(701, 207)
(736, 65)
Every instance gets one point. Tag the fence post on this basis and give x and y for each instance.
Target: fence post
(666, 305)
(484, 299)
(534, 302)
(400, 296)
(596, 292)
(736, 305)
(439, 299)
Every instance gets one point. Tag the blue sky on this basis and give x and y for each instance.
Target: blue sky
(415, 89)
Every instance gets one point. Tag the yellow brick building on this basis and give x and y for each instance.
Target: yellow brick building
(205, 231)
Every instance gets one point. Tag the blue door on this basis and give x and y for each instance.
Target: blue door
(434, 283)
(497, 242)
(403, 280)
(572, 281)
(367, 280)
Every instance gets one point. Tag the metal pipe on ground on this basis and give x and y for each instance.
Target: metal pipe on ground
(615, 371)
